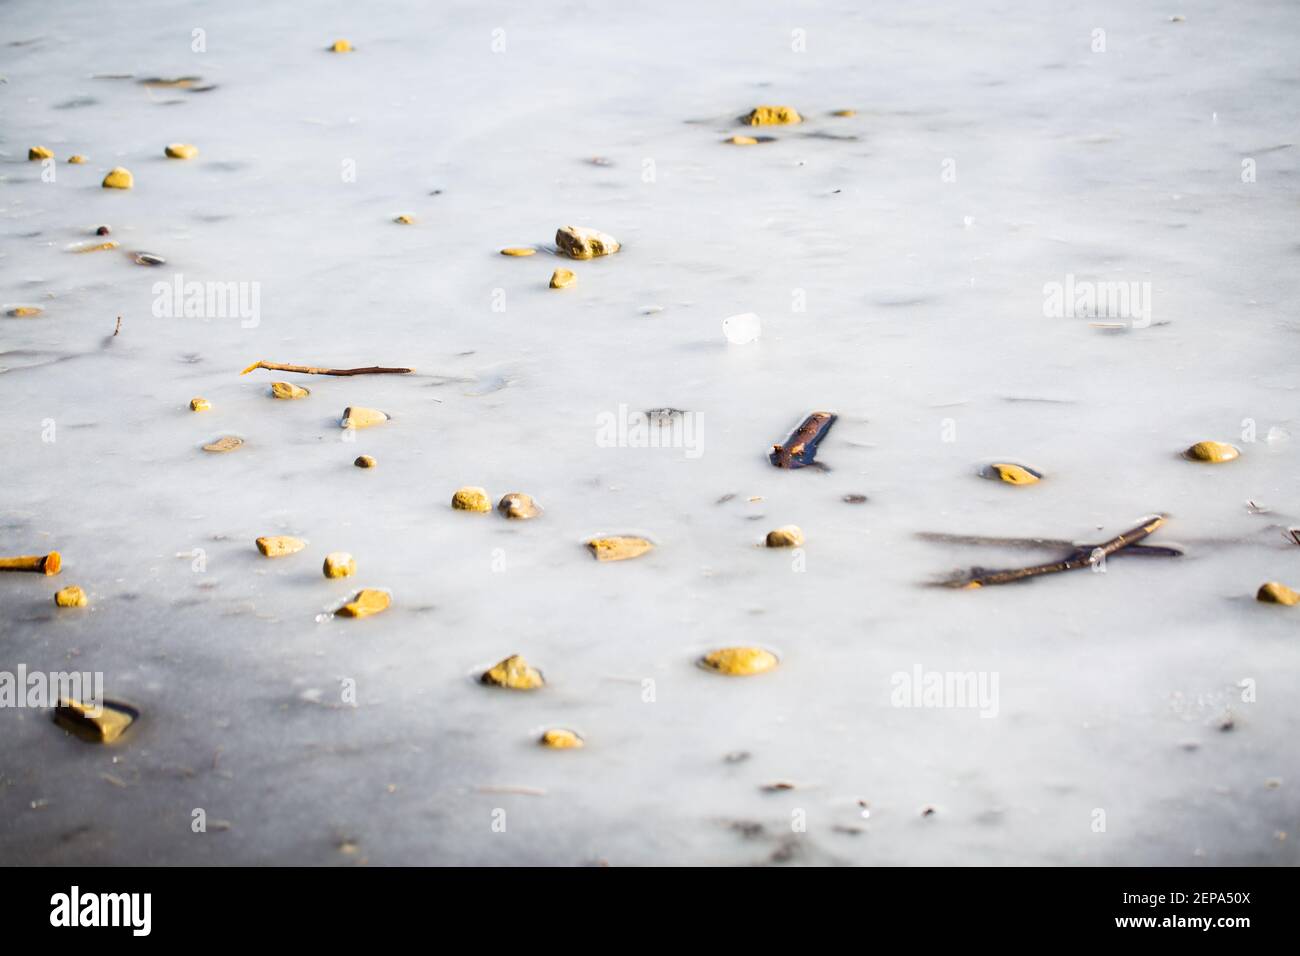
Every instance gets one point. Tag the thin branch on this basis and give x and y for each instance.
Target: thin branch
(1083, 558)
(314, 370)
(1060, 544)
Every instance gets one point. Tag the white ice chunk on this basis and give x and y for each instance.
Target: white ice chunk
(742, 329)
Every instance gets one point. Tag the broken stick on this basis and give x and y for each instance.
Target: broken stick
(1084, 557)
(314, 370)
(801, 447)
(39, 563)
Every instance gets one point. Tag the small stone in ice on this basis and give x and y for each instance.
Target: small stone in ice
(787, 536)
(619, 547)
(224, 444)
(339, 564)
(98, 722)
(742, 329)
(471, 498)
(278, 545)
(367, 602)
(560, 738)
(519, 506)
(1215, 452)
(287, 391)
(739, 661)
(119, 178)
(354, 416)
(1275, 592)
(513, 672)
(772, 116)
(71, 596)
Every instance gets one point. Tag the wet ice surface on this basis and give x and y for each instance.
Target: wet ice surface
(923, 321)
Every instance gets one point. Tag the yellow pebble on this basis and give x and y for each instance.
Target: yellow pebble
(39, 153)
(773, 116)
(513, 672)
(1211, 451)
(356, 417)
(561, 739)
(119, 178)
(845, 113)
(619, 547)
(104, 727)
(367, 602)
(95, 246)
(518, 251)
(789, 536)
(200, 405)
(1013, 474)
(341, 46)
(519, 505)
(579, 242)
(739, 661)
(77, 160)
(404, 219)
(278, 545)
(25, 311)
(181, 151)
(562, 279)
(365, 461)
(742, 141)
(287, 390)
(1275, 593)
(71, 596)
(224, 444)
(471, 498)
(339, 564)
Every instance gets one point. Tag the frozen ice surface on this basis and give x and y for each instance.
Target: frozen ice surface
(929, 339)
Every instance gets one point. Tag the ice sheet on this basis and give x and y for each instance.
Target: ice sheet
(898, 260)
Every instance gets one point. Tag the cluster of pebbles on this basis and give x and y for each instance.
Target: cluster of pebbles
(108, 724)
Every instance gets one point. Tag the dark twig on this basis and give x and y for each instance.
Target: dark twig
(801, 447)
(1084, 557)
(1059, 544)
